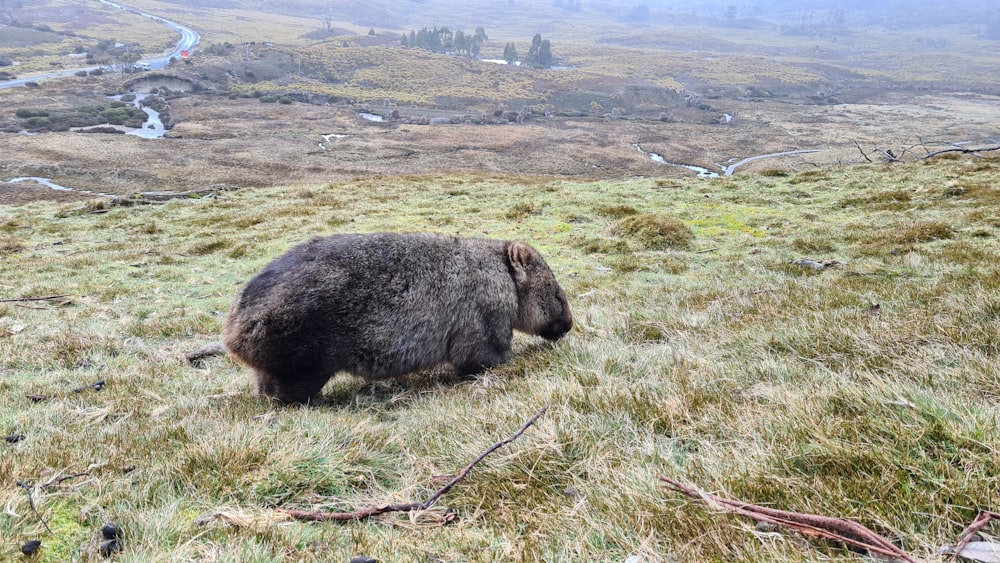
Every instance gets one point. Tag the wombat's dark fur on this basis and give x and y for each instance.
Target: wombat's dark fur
(383, 305)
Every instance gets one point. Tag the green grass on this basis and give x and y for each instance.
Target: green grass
(717, 362)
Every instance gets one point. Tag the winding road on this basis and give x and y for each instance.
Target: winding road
(189, 38)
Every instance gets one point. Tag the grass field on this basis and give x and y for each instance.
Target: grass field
(868, 390)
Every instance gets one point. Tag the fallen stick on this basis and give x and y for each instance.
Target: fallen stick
(981, 520)
(845, 531)
(23, 299)
(318, 515)
(732, 168)
(31, 502)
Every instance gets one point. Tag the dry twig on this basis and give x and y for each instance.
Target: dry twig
(31, 502)
(844, 531)
(23, 299)
(318, 515)
(981, 520)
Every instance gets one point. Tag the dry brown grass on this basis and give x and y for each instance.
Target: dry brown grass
(732, 369)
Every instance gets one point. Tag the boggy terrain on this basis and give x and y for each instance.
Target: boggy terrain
(246, 143)
(284, 108)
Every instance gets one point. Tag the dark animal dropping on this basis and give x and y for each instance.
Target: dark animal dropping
(31, 547)
(384, 305)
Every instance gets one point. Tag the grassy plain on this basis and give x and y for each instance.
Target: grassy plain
(866, 391)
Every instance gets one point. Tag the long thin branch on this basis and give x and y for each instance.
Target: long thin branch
(318, 515)
(845, 531)
(23, 299)
(861, 150)
(732, 168)
(31, 502)
(961, 149)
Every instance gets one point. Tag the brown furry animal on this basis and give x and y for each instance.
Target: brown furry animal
(383, 305)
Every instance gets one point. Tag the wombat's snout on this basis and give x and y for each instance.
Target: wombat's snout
(557, 329)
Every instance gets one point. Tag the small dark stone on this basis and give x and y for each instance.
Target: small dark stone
(110, 531)
(31, 546)
(363, 559)
(109, 548)
(128, 469)
(13, 438)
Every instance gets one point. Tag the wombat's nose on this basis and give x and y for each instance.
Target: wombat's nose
(557, 329)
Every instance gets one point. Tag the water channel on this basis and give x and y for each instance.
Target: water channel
(702, 172)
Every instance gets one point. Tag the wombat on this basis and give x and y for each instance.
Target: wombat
(384, 305)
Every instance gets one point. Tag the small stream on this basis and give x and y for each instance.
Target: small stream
(702, 172)
(326, 139)
(153, 127)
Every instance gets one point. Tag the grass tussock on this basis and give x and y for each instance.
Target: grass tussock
(867, 391)
(655, 232)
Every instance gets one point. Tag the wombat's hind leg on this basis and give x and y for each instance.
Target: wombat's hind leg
(288, 389)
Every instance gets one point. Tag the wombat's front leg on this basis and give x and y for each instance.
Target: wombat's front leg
(475, 355)
(289, 389)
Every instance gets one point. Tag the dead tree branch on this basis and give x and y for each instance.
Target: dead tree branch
(732, 168)
(981, 520)
(844, 531)
(889, 155)
(311, 515)
(861, 150)
(963, 149)
(31, 502)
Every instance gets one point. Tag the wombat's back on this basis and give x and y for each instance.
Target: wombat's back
(377, 305)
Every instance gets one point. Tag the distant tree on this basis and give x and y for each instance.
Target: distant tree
(540, 52)
(481, 33)
(402, 40)
(545, 54)
(371, 32)
(510, 53)
(327, 23)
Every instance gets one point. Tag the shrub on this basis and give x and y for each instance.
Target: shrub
(655, 232)
(26, 113)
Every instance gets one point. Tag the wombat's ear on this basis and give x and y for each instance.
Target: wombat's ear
(521, 256)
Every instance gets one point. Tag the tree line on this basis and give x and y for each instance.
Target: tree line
(443, 40)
